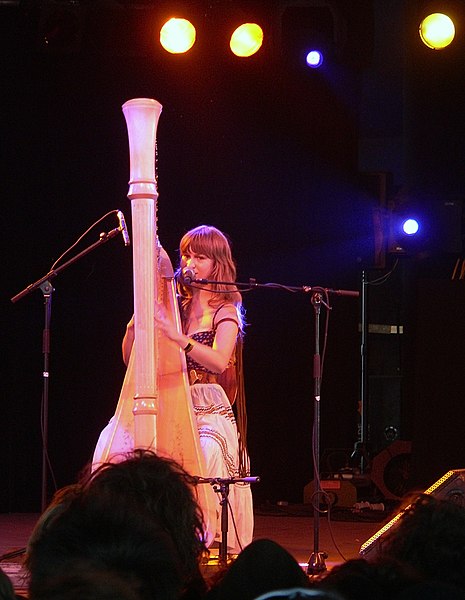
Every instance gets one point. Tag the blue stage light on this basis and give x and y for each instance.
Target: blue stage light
(410, 226)
(314, 59)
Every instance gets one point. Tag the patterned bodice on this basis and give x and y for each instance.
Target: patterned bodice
(203, 337)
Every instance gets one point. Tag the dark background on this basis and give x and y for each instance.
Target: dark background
(291, 164)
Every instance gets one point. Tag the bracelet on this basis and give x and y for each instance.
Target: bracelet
(189, 347)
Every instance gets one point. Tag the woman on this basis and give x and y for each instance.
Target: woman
(213, 324)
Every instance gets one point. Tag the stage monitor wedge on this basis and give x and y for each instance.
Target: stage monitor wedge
(450, 486)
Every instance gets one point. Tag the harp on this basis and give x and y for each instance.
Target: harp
(155, 409)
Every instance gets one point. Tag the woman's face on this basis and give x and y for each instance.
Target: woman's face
(199, 263)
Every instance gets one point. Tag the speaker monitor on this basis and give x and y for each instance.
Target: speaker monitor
(450, 486)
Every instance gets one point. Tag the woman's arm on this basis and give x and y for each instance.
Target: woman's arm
(217, 357)
(128, 341)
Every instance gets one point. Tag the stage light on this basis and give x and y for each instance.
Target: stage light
(437, 31)
(309, 37)
(177, 35)
(406, 232)
(426, 222)
(314, 59)
(410, 226)
(246, 40)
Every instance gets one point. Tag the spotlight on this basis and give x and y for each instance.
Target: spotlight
(437, 31)
(314, 59)
(410, 226)
(308, 36)
(425, 222)
(177, 35)
(246, 40)
(406, 233)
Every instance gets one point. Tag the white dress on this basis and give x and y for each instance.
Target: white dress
(219, 442)
(218, 434)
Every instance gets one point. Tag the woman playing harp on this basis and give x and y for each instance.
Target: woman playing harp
(211, 336)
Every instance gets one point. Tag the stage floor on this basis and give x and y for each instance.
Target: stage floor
(292, 527)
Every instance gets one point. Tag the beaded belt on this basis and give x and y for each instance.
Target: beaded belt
(201, 377)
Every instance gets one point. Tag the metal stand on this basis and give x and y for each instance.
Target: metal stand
(360, 455)
(47, 289)
(221, 486)
(316, 562)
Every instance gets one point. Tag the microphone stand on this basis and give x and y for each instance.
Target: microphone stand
(221, 485)
(316, 562)
(47, 290)
(361, 454)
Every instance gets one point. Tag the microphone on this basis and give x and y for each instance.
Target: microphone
(188, 275)
(123, 228)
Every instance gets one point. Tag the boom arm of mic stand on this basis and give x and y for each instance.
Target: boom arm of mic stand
(104, 237)
(350, 293)
(252, 283)
(217, 480)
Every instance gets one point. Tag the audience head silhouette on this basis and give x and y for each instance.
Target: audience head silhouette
(430, 539)
(135, 520)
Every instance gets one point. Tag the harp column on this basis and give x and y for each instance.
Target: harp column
(142, 116)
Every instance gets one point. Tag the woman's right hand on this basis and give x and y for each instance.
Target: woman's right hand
(163, 321)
